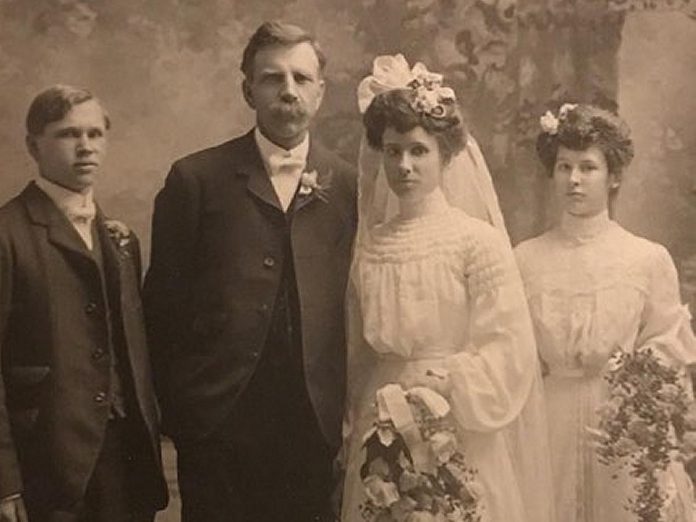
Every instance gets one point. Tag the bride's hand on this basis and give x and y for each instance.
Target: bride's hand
(437, 380)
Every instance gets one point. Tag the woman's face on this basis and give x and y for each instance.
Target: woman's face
(412, 162)
(582, 180)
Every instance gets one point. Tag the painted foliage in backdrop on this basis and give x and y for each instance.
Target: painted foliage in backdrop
(168, 72)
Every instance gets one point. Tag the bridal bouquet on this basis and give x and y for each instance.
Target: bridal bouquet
(413, 470)
(641, 424)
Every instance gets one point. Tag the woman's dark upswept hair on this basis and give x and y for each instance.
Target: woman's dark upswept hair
(586, 126)
(394, 109)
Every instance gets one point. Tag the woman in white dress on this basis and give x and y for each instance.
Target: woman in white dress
(436, 299)
(593, 288)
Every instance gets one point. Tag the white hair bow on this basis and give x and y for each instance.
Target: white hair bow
(392, 72)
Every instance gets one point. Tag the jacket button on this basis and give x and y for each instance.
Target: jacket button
(100, 397)
(91, 308)
(98, 354)
(269, 262)
(254, 354)
(264, 308)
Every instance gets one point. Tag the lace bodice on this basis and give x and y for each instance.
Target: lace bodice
(418, 276)
(592, 287)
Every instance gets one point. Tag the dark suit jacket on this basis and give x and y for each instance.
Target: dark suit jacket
(217, 253)
(55, 360)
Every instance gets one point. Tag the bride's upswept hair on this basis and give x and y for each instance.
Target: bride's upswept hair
(582, 127)
(395, 109)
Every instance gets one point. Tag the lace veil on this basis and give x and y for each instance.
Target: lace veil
(466, 181)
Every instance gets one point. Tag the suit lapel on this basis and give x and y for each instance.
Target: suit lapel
(251, 165)
(110, 256)
(314, 162)
(43, 211)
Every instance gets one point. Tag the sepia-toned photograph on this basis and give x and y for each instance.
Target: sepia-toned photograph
(347, 261)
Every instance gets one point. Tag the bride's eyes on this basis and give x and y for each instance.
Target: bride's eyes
(419, 150)
(392, 151)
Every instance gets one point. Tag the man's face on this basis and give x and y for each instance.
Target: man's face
(70, 151)
(285, 90)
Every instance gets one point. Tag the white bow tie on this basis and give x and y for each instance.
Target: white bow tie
(280, 164)
(84, 214)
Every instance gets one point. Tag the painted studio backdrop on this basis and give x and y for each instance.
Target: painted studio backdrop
(168, 72)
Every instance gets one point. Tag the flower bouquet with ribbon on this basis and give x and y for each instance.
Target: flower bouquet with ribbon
(413, 469)
(640, 425)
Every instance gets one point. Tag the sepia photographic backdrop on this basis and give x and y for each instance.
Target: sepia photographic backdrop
(168, 73)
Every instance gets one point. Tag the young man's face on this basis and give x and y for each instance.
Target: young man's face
(285, 90)
(69, 152)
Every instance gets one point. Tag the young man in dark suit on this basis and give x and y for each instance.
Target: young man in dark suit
(244, 297)
(79, 436)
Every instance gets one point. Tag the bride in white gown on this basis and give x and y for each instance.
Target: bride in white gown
(436, 300)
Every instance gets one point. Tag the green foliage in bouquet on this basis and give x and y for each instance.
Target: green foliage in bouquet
(640, 425)
(398, 492)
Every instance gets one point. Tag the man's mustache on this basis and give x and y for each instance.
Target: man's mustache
(288, 110)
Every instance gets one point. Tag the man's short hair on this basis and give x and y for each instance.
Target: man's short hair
(276, 33)
(54, 103)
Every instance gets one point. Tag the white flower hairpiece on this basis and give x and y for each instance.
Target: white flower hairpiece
(392, 72)
(549, 122)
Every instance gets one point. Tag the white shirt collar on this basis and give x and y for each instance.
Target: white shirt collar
(270, 150)
(69, 202)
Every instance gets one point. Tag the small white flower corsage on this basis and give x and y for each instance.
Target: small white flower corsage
(120, 234)
(549, 123)
(310, 183)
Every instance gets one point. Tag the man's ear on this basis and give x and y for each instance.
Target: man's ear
(248, 96)
(322, 89)
(32, 147)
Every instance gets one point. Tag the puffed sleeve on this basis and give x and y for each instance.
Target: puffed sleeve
(665, 322)
(492, 378)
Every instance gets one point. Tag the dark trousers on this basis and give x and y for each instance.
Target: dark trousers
(268, 462)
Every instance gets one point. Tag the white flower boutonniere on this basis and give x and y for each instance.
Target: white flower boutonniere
(119, 233)
(312, 183)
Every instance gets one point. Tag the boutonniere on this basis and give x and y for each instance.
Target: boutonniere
(314, 183)
(119, 233)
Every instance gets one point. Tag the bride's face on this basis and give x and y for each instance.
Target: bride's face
(412, 162)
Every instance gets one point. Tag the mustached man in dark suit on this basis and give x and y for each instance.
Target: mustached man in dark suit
(78, 418)
(244, 296)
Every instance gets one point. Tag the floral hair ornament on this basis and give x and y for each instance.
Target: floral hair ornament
(549, 122)
(392, 72)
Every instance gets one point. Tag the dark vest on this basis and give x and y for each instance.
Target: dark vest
(118, 373)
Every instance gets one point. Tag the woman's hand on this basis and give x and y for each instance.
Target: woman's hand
(437, 380)
(12, 510)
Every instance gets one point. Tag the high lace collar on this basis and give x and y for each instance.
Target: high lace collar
(584, 229)
(433, 203)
